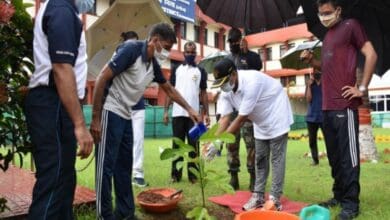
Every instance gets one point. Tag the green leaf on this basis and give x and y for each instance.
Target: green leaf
(168, 153)
(209, 135)
(194, 213)
(227, 137)
(195, 172)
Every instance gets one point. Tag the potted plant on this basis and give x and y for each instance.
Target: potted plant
(204, 174)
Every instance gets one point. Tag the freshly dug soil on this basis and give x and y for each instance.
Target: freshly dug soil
(154, 198)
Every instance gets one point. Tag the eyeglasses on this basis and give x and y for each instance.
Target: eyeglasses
(326, 13)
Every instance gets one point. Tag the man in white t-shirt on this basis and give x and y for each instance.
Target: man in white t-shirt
(261, 99)
(191, 82)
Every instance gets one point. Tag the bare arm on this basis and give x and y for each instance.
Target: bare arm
(237, 123)
(308, 94)
(205, 104)
(371, 57)
(223, 122)
(350, 92)
(67, 90)
(307, 57)
(105, 76)
(176, 97)
(167, 103)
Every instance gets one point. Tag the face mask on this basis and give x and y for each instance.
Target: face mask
(317, 76)
(235, 48)
(190, 59)
(162, 55)
(227, 87)
(329, 20)
(84, 6)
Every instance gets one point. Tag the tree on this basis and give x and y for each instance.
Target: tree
(367, 145)
(16, 36)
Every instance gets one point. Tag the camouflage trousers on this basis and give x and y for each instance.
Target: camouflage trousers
(233, 155)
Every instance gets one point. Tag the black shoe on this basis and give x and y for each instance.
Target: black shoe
(347, 214)
(330, 203)
(175, 180)
(140, 182)
(314, 163)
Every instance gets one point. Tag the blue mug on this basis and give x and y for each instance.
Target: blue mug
(197, 131)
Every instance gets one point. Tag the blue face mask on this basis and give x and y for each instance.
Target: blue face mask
(84, 6)
(190, 59)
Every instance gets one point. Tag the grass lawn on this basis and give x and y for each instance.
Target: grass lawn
(302, 183)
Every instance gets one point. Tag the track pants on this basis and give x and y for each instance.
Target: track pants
(341, 130)
(114, 160)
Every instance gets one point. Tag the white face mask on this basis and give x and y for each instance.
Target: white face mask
(227, 87)
(329, 20)
(162, 55)
(84, 6)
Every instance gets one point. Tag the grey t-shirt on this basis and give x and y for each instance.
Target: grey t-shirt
(133, 73)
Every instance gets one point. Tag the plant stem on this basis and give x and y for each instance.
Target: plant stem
(201, 184)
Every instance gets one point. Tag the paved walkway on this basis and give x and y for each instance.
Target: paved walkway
(16, 186)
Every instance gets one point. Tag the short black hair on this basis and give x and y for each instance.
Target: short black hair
(129, 35)
(335, 3)
(164, 31)
(189, 43)
(234, 35)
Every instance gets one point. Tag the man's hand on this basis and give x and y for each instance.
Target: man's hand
(96, 130)
(194, 116)
(350, 92)
(85, 141)
(306, 56)
(165, 118)
(310, 81)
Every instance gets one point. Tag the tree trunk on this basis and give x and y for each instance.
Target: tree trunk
(367, 145)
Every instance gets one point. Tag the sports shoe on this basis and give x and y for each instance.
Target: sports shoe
(140, 182)
(256, 201)
(329, 203)
(277, 203)
(347, 214)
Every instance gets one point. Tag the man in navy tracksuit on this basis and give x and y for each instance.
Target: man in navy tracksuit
(53, 112)
(133, 66)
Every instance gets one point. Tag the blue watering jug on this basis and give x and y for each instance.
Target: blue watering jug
(196, 131)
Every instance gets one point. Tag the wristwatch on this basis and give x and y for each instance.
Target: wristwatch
(362, 88)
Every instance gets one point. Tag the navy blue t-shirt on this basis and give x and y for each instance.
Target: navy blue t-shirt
(314, 111)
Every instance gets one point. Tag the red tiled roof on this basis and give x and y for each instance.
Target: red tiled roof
(278, 35)
(288, 72)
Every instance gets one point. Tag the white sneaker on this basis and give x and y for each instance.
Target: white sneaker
(277, 203)
(256, 201)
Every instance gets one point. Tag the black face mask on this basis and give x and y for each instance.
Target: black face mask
(235, 48)
(317, 76)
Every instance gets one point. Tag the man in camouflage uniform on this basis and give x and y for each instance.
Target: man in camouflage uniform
(243, 59)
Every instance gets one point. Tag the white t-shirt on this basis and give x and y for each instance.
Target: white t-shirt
(188, 82)
(263, 100)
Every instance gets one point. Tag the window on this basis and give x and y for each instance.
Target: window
(269, 53)
(224, 42)
(216, 39)
(282, 50)
(380, 103)
(284, 81)
(205, 37)
(307, 77)
(196, 33)
(291, 45)
(183, 30)
(261, 53)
